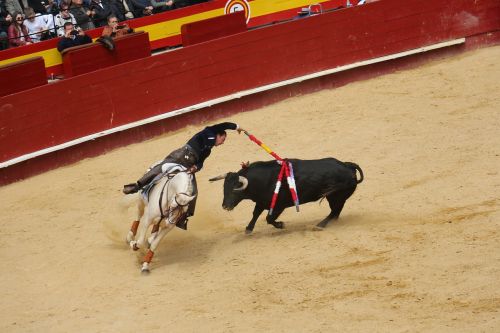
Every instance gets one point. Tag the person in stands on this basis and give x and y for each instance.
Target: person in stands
(162, 5)
(83, 14)
(5, 21)
(102, 9)
(192, 156)
(36, 25)
(123, 9)
(18, 34)
(142, 8)
(72, 37)
(113, 29)
(63, 17)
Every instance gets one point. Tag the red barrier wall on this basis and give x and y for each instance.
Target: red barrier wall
(87, 58)
(146, 87)
(22, 75)
(217, 27)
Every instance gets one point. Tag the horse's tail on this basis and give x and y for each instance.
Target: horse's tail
(354, 167)
(128, 200)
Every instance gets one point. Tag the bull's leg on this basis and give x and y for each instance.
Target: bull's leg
(154, 244)
(256, 213)
(336, 202)
(271, 219)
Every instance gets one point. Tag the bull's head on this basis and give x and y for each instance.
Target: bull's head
(234, 187)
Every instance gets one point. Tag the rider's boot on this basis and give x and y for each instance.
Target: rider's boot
(145, 180)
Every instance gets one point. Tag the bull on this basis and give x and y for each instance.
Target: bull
(315, 179)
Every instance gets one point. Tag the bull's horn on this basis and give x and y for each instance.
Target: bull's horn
(244, 183)
(218, 177)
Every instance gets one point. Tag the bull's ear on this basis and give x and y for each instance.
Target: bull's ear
(218, 177)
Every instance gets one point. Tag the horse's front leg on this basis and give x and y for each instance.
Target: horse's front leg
(154, 244)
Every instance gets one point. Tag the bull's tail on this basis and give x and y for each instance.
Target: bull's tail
(355, 167)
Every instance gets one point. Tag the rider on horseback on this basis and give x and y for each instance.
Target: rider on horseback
(191, 155)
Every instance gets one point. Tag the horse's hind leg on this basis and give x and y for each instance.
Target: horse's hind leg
(154, 244)
(140, 240)
(133, 229)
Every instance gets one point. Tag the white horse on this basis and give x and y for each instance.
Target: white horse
(164, 206)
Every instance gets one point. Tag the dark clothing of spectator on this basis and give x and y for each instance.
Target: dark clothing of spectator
(76, 40)
(14, 6)
(4, 31)
(102, 10)
(160, 6)
(142, 8)
(123, 9)
(37, 6)
(82, 19)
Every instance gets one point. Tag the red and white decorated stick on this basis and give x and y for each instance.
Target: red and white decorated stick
(286, 168)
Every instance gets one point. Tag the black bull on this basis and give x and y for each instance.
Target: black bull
(315, 179)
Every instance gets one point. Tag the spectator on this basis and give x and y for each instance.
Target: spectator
(82, 14)
(44, 6)
(14, 6)
(72, 37)
(38, 6)
(102, 9)
(36, 25)
(123, 9)
(63, 17)
(142, 8)
(5, 21)
(113, 29)
(18, 34)
(161, 5)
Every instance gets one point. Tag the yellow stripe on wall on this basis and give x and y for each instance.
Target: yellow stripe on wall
(52, 57)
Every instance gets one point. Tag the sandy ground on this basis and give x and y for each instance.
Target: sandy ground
(416, 248)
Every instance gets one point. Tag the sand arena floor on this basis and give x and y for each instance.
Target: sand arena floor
(416, 249)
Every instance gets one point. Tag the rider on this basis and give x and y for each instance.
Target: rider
(191, 155)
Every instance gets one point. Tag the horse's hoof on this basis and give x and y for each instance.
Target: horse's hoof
(145, 269)
(248, 231)
(133, 245)
(318, 228)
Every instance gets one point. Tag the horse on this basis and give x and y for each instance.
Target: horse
(165, 200)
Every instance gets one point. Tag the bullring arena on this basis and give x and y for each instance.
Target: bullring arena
(416, 248)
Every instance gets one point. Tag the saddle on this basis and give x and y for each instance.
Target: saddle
(166, 170)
